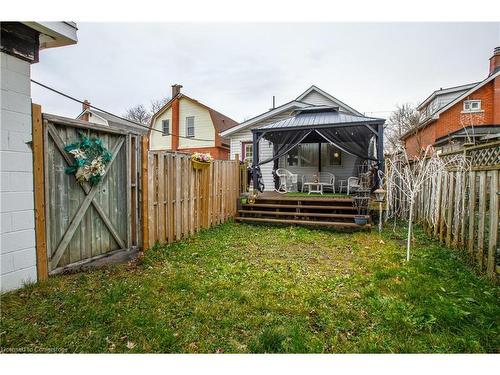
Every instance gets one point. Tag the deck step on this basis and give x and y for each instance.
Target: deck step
(330, 224)
(293, 213)
(318, 199)
(301, 206)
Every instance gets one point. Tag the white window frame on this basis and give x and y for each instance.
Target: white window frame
(248, 146)
(164, 133)
(470, 104)
(189, 127)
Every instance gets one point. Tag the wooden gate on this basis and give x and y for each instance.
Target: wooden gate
(84, 222)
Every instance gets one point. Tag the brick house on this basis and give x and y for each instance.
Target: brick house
(459, 115)
(184, 124)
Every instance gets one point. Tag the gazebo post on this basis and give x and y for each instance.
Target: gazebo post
(319, 157)
(380, 147)
(255, 160)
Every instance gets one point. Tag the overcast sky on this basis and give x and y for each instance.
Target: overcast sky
(237, 68)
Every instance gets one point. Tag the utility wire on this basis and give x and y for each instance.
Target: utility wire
(112, 114)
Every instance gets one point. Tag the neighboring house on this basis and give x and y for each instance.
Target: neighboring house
(20, 45)
(98, 117)
(458, 115)
(305, 158)
(186, 125)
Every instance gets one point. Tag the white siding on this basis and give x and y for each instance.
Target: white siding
(97, 119)
(265, 148)
(17, 234)
(158, 141)
(316, 98)
(203, 126)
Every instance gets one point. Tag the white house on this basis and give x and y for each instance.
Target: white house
(306, 158)
(184, 124)
(102, 118)
(20, 45)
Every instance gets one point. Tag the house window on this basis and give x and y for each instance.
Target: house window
(330, 155)
(472, 105)
(190, 126)
(165, 126)
(304, 155)
(247, 151)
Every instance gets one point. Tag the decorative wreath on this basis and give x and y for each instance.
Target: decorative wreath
(91, 158)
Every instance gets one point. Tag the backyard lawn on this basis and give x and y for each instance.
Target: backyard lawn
(245, 288)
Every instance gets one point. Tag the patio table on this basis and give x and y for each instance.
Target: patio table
(314, 187)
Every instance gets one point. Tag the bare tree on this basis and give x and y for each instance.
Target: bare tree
(402, 120)
(406, 178)
(141, 114)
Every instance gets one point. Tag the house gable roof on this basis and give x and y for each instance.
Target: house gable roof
(291, 105)
(444, 91)
(272, 112)
(114, 120)
(341, 104)
(436, 115)
(220, 121)
(322, 117)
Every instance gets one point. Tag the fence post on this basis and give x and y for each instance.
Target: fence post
(39, 192)
(144, 193)
(493, 231)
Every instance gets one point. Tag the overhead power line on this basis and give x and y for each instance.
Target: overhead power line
(112, 114)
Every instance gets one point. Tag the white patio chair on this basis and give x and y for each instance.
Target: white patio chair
(349, 184)
(307, 178)
(328, 179)
(287, 180)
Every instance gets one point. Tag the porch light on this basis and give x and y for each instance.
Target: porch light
(336, 155)
(379, 195)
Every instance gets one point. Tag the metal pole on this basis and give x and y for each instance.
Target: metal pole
(380, 217)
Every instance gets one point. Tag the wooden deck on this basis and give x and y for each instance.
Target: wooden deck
(314, 210)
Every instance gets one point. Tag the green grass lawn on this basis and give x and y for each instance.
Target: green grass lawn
(243, 288)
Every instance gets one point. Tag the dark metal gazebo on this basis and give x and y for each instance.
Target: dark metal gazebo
(356, 135)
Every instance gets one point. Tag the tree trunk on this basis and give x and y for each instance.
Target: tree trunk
(410, 227)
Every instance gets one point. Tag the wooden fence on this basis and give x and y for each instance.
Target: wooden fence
(78, 223)
(182, 200)
(461, 208)
(244, 177)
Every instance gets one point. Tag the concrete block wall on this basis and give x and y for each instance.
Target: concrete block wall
(17, 233)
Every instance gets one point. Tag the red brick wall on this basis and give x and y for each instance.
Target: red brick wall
(496, 100)
(175, 124)
(219, 153)
(453, 119)
(416, 144)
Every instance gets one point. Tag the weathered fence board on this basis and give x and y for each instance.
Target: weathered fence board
(461, 207)
(183, 200)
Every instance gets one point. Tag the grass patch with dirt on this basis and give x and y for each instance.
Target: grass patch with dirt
(246, 288)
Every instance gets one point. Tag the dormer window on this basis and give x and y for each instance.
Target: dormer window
(472, 105)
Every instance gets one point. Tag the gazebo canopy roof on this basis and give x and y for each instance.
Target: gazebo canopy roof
(318, 117)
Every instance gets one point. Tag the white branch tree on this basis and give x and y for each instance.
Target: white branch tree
(406, 179)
